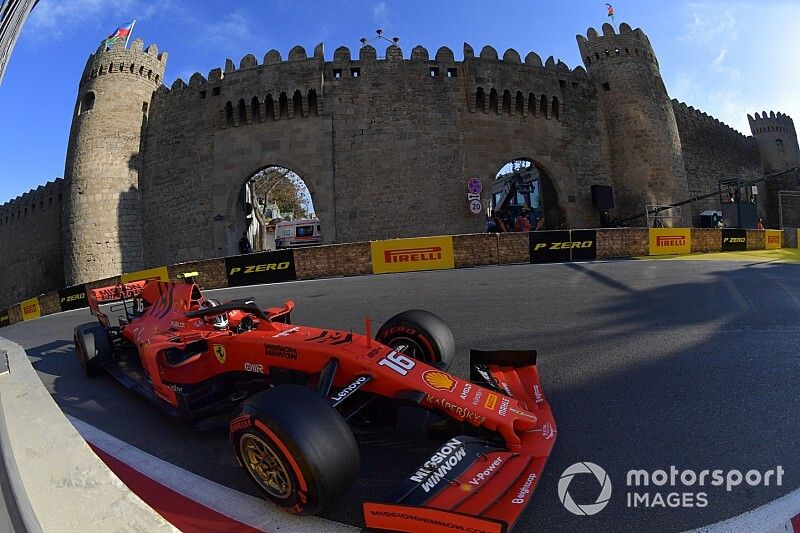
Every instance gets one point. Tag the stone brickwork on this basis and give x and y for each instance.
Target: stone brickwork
(386, 145)
(706, 240)
(333, 261)
(30, 244)
(755, 239)
(102, 217)
(50, 303)
(14, 314)
(622, 242)
(211, 272)
(475, 250)
(513, 248)
(645, 147)
(776, 138)
(713, 151)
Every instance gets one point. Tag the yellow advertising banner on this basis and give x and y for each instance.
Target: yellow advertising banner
(408, 255)
(30, 309)
(772, 239)
(149, 274)
(669, 241)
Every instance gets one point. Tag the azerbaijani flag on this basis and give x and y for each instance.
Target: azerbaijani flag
(123, 32)
(610, 10)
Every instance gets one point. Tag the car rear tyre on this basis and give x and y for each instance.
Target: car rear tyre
(421, 335)
(92, 345)
(297, 449)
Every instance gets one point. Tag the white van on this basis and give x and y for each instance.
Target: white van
(294, 233)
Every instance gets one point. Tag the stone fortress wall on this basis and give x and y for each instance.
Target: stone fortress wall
(30, 243)
(385, 145)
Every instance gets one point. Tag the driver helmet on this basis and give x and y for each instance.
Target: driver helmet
(219, 321)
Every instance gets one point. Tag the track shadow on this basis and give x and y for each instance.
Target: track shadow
(691, 374)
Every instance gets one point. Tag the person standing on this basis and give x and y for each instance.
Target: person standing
(523, 223)
(244, 245)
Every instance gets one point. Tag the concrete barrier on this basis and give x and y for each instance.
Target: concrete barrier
(59, 483)
(211, 272)
(513, 248)
(479, 249)
(333, 261)
(755, 239)
(622, 242)
(706, 240)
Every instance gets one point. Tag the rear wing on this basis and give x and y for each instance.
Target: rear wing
(114, 304)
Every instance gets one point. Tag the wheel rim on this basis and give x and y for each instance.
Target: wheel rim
(266, 466)
(409, 347)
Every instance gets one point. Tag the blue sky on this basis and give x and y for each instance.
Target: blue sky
(726, 58)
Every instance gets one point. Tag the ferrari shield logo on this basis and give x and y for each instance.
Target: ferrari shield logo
(219, 351)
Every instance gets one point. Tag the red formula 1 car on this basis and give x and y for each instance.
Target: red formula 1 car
(286, 393)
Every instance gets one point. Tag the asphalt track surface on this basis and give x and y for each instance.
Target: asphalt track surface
(647, 364)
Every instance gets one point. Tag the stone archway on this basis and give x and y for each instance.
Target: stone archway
(251, 211)
(524, 184)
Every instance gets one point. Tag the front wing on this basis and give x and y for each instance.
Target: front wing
(470, 484)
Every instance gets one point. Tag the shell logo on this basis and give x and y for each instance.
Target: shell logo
(439, 380)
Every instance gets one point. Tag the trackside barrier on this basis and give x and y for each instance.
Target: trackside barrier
(58, 482)
(422, 253)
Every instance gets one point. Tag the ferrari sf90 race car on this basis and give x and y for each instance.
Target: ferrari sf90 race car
(286, 393)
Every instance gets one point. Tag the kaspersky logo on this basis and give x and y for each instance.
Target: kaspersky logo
(439, 380)
(670, 240)
(411, 255)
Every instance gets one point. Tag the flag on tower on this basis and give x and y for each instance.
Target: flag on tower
(610, 10)
(123, 32)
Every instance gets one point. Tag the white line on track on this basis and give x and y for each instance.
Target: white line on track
(773, 517)
(241, 507)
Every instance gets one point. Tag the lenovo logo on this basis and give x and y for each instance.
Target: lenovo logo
(411, 255)
(670, 240)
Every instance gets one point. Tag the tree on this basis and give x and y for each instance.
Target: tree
(285, 188)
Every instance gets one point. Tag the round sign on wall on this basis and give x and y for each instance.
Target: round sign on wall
(475, 206)
(475, 186)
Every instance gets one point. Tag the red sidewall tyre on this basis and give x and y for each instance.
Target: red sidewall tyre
(427, 331)
(310, 448)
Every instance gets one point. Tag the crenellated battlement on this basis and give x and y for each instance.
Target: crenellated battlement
(35, 201)
(688, 113)
(367, 55)
(774, 122)
(276, 89)
(628, 44)
(137, 60)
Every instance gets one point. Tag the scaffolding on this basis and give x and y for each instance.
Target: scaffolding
(656, 215)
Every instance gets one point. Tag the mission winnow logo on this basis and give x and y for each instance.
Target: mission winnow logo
(440, 464)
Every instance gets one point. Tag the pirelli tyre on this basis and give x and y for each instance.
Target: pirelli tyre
(421, 335)
(92, 344)
(297, 449)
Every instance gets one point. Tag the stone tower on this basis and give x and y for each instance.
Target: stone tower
(102, 220)
(778, 148)
(645, 147)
